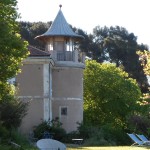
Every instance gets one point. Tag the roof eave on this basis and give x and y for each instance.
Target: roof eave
(43, 37)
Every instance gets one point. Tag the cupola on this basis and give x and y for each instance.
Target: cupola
(60, 40)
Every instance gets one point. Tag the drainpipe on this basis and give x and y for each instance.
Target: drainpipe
(50, 94)
(50, 89)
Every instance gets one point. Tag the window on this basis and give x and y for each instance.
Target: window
(59, 45)
(64, 111)
(50, 46)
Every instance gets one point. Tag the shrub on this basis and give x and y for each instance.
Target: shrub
(40, 129)
(18, 138)
(115, 134)
(69, 136)
(4, 133)
(102, 135)
(84, 130)
(11, 113)
(97, 137)
(53, 127)
(139, 124)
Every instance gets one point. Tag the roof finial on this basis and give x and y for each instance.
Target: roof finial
(60, 6)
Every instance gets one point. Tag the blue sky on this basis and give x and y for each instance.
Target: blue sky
(134, 15)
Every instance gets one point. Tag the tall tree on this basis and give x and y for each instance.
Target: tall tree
(29, 30)
(120, 47)
(145, 60)
(12, 51)
(89, 46)
(109, 95)
(12, 48)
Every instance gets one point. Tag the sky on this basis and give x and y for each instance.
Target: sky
(134, 15)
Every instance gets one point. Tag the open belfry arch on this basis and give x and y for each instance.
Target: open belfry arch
(52, 80)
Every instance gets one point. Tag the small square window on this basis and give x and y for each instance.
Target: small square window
(64, 111)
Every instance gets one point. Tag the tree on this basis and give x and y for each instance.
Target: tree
(12, 48)
(109, 95)
(87, 45)
(12, 111)
(119, 46)
(145, 60)
(12, 52)
(29, 30)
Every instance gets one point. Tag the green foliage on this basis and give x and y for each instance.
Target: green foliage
(40, 129)
(30, 30)
(102, 135)
(109, 95)
(18, 138)
(84, 130)
(69, 136)
(53, 127)
(139, 124)
(145, 60)
(116, 134)
(4, 134)
(7, 91)
(12, 52)
(12, 48)
(11, 112)
(120, 47)
(93, 136)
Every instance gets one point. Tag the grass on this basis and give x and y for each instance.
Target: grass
(109, 148)
(76, 147)
(71, 147)
(80, 147)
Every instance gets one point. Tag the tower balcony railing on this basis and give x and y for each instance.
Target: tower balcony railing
(74, 56)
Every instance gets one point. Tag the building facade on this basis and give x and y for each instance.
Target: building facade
(51, 81)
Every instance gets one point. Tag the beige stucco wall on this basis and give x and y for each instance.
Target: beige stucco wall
(67, 82)
(68, 92)
(74, 113)
(30, 84)
(30, 80)
(34, 115)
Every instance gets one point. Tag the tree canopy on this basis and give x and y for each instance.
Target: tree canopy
(145, 61)
(109, 94)
(12, 52)
(30, 30)
(12, 48)
(117, 45)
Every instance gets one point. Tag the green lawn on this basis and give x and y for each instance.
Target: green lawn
(75, 147)
(71, 147)
(110, 148)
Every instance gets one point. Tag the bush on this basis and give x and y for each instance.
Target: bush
(83, 130)
(53, 127)
(40, 129)
(115, 134)
(18, 138)
(69, 136)
(11, 112)
(103, 135)
(97, 137)
(94, 141)
(4, 134)
(139, 124)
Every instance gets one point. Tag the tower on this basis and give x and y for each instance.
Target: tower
(66, 75)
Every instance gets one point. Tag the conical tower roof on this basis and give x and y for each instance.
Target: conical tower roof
(59, 27)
